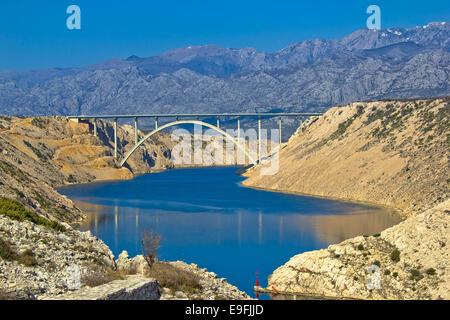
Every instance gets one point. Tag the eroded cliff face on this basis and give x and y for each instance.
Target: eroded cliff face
(392, 153)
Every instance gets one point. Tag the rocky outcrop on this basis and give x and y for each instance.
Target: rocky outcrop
(134, 287)
(208, 285)
(392, 153)
(347, 269)
(35, 260)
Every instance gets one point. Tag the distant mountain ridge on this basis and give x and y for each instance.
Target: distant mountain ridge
(311, 75)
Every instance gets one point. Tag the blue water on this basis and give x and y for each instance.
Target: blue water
(206, 217)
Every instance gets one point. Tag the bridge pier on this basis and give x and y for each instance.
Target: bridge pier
(156, 123)
(135, 130)
(238, 137)
(259, 139)
(95, 127)
(115, 138)
(279, 127)
(218, 122)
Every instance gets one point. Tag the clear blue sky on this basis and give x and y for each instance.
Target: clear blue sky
(33, 34)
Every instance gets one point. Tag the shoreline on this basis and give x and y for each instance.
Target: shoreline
(397, 211)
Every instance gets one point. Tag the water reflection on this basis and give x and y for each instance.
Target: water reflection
(224, 227)
(215, 227)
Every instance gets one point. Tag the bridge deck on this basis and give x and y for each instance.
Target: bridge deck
(203, 115)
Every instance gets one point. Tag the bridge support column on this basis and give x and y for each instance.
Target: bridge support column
(239, 130)
(279, 125)
(156, 123)
(259, 139)
(95, 127)
(218, 122)
(115, 138)
(135, 130)
(238, 138)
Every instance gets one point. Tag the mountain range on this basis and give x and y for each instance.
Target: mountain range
(311, 75)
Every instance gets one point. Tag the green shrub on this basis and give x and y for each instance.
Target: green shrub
(387, 272)
(431, 272)
(36, 151)
(395, 255)
(415, 275)
(360, 247)
(395, 274)
(377, 263)
(15, 210)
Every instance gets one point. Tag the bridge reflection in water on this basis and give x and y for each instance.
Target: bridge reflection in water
(248, 227)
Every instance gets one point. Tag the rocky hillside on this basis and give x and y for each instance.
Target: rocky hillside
(39, 154)
(38, 244)
(312, 75)
(392, 153)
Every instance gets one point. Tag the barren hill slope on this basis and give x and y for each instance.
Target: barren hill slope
(392, 153)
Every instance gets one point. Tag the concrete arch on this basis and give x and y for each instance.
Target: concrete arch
(175, 123)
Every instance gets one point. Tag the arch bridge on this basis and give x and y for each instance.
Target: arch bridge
(181, 119)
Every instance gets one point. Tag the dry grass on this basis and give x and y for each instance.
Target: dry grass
(174, 278)
(99, 277)
(4, 295)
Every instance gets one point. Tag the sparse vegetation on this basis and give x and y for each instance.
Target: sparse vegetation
(416, 275)
(13, 171)
(431, 271)
(167, 275)
(15, 210)
(39, 122)
(360, 247)
(97, 278)
(6, 295)
(18, 193)
(27, 258)
(395, 255)
(7, 253)
(174, 278)
(150, 245)
(36, 151)
(347, 123)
